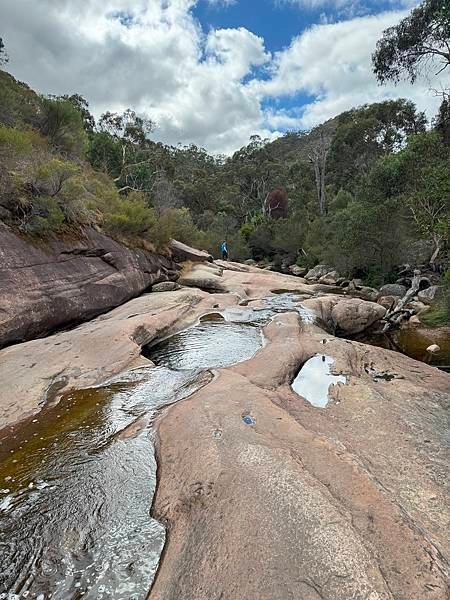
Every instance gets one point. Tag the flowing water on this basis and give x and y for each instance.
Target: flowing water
(77, 481)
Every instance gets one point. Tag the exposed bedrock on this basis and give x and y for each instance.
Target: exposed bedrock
(267, 497)
(46, 286)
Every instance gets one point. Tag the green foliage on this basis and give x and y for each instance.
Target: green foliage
(130, 216)
(420, 37)
(19, 105)
(62, 123)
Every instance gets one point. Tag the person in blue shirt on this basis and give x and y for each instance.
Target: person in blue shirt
(224, 250)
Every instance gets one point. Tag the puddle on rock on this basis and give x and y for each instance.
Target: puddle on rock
(210, 344)
(314, 380)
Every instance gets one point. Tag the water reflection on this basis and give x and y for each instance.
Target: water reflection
(314, 380)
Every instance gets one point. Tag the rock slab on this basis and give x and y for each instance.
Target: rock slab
(47, 286)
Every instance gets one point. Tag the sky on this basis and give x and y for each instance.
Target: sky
(209, 72)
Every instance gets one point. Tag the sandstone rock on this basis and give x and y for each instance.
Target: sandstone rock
(317, 272)
(393, 289)
(346, 316)
(331, 278)
(298, 271)
(352, 316)
(202, 277)
(166, 286)
(249, 473)
(45, 286)
(429, 295)
(181, 253)
(250, 262)
(387, 301)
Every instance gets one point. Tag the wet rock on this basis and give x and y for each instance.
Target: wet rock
(393, 289)
(181, 253)
(317, 272)
(166, 286)
(331, 278)
(46, 285)
(430, 295)
(298, 271)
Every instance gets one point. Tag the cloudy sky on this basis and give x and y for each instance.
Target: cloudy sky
(210, 72)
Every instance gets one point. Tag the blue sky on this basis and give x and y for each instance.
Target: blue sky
(209, 72)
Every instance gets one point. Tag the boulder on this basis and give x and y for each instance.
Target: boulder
(430, 295)
(182, 253)
(393, 289)
(433, 349)
(204, 278)
(250, 262)
(352, 315)
(298, 271)
(414, 321)
(345, 316)
(387, 301)
(364, 292)
(317, 272)
(50, 284)
(331, 278)
(356, 284)
(166, 286)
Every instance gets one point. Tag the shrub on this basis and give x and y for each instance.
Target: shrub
(130, 216)
(62, 123)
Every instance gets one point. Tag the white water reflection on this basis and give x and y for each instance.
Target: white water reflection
(314, 380)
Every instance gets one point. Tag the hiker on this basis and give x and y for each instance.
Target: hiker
(224, 250)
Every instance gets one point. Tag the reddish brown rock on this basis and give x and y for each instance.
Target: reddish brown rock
(44, 286)
(302, 502)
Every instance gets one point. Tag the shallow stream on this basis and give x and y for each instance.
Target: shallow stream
(77, 481)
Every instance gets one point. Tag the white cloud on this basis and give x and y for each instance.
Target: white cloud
(333, 63)
(200, 87)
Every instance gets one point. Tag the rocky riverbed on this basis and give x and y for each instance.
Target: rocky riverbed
(259, 493)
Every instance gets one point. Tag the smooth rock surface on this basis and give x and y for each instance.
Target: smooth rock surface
(47, 286)
(267, 497)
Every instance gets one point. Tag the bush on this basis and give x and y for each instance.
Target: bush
(131, 216)
(62, 123)
(176, 223)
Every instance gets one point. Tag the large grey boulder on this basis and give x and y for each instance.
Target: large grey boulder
(45, 285)
(182, 253)
(393, 289)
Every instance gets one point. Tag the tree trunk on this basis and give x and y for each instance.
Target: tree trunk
(437, 249)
